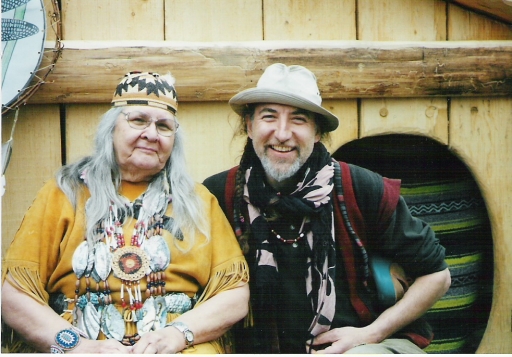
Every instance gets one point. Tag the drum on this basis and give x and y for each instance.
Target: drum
(24, 25)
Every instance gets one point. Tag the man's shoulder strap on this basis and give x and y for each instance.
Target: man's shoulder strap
(229, 192)
(345, 193)
(386, 203)
(349, 225)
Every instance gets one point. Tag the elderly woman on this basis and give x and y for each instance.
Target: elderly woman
(122, 252)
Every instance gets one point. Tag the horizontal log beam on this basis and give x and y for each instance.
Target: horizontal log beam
(88, 72)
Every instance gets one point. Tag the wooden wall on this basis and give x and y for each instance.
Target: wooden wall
(476, 129)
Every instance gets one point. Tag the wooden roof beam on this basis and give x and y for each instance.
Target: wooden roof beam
(501, 10)
(88, 72)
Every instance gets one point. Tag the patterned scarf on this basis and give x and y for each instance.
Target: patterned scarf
(312, 199)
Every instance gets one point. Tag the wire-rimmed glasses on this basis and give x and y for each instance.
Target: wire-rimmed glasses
(140, 121)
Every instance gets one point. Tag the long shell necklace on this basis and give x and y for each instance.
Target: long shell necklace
(148, 255)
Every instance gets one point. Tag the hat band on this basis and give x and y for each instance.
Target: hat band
(151, 103)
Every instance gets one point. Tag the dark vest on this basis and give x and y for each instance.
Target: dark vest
(351, 235)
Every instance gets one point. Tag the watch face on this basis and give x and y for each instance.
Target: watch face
(189, 336)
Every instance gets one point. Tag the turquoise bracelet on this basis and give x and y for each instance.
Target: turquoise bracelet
(66, 340)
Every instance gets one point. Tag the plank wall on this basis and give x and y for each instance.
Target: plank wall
(478, 130)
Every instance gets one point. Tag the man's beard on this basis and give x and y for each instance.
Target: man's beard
(273, 170)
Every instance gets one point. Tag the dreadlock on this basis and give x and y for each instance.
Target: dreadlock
(242, 235)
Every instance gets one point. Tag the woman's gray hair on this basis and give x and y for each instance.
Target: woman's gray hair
(103, 178)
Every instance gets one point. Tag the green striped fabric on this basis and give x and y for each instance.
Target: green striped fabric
(440, 190)
(456, 212)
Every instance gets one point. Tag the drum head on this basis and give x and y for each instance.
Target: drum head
(23, 36)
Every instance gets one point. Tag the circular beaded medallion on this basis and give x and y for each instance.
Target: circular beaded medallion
(130, 263)
(67, 339)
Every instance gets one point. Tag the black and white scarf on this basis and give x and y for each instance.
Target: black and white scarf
(312, 199)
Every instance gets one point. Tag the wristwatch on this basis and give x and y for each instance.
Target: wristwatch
(189, 335)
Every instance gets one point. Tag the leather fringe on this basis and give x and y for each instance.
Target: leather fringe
(27, 279)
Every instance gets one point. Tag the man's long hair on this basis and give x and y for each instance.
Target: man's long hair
(104, 180)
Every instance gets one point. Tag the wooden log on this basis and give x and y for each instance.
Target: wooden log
(88, 72)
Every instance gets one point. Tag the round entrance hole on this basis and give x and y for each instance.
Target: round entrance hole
(439, 189)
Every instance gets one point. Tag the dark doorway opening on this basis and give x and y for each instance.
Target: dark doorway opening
(440, 189)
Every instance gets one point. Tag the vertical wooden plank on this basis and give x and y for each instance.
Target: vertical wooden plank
(465, 25)
(426, 117)
(209, 129)
(309, 20)
(113, 20)
(36, 156)
(481, 134)
(401, 20)
(220, 20)
(346, 111)
(81, 123)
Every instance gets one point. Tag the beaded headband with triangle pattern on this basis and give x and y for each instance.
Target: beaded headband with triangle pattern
(146, 88)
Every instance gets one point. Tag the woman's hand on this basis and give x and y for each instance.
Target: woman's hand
(166, 340)
(100, 346)
(44, 323)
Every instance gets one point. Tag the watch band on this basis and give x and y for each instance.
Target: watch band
(187, 333)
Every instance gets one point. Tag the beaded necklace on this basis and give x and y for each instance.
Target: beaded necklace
(293, 242)
(147, 256)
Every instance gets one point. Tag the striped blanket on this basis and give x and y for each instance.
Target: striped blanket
(439, 189)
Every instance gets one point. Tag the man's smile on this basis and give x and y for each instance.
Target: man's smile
(281, 148)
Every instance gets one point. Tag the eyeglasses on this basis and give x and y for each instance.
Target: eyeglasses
(140, 121)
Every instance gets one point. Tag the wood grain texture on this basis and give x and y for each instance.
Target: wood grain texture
(220, 20)
(499, 9)
(401, 20)
(210, 145)
(113, 20)
(345, 69)
(467, 25)
(424, 117)
(481, 135)
(309, 20)
(81, 123)
(36, 156)
(347, 112)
